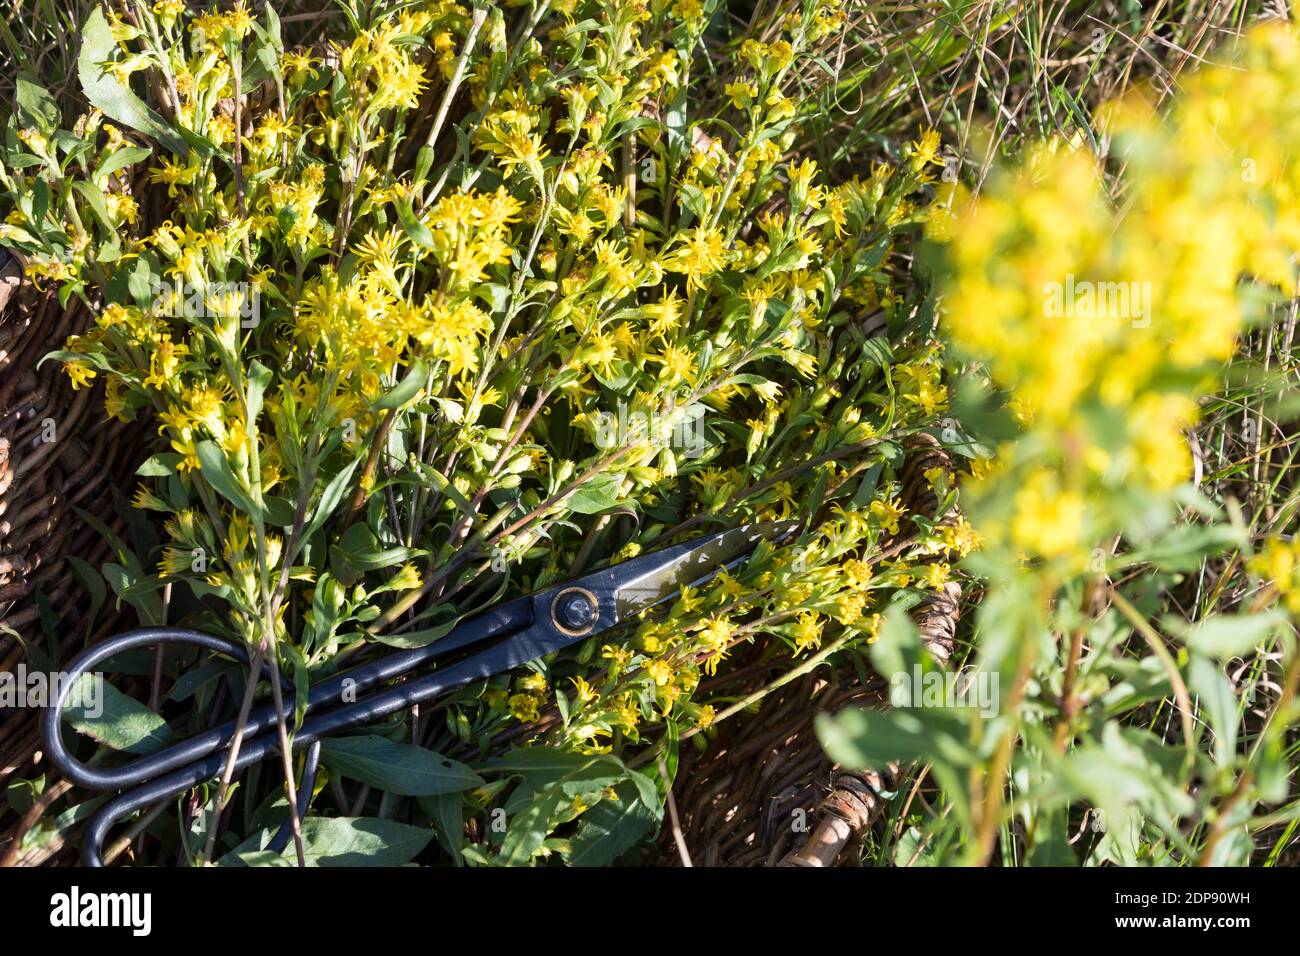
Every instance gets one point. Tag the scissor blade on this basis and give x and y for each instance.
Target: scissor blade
(610, 596)
(666, 572)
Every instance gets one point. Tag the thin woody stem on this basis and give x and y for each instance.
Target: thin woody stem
(377, 446)
(232, 756)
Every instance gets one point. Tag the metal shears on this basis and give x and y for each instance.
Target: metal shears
(498, 640)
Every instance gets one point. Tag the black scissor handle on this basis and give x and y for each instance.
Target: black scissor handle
(507, 654)
(146, 769)
(151, 765)
(328, 693)
(189, 762)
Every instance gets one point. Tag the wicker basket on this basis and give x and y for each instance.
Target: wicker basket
(764, 793)
(58, 454)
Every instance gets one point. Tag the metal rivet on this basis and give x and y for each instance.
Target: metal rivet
(575, 611)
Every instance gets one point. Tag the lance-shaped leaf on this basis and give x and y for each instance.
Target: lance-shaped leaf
(110, 94)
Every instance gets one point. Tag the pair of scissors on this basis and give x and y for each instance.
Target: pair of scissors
(495, 641)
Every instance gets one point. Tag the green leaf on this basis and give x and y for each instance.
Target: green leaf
(423, 161)
(259, 377)
(120, 159)
(1051, 846)
(610, 829)
(190, 682)
(528, 828)
(159, 466)
(1215, 695)
(446, 613)
(495, 295)
(1272, 769)
(217, 471)
(448, 816)
(872, 739)
(360, 841)
(1183, 548)
(36, 107)
(576, 774)
(597, 495)
(592, 780)
(915, 850)
(200, 144)
(103, 713)
(112, 97)
(1130, 768)
(93, 197)
(397, 768)
(675, 126)
(538, 760)
(1106, 781)
(1224, 636)
(330, 498)
(141, 278)
(406, 389)
(124, 554)
(273, 27)
(440, 484)
(898, 648)
(265, 858)
(279, 511)
(417, 231)
(93, 582)
(361, 551)
(137, 589)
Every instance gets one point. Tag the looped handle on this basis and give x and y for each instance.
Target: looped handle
(136, 771)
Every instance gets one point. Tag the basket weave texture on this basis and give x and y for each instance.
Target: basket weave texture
(59, 455)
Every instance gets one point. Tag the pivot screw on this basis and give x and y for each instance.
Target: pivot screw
(575, 610)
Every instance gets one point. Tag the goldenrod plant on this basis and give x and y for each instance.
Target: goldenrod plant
(1098, 299)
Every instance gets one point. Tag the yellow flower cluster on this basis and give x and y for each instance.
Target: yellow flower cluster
(471, 233)
(1279, 565)
(378, 64)
(1104, 318)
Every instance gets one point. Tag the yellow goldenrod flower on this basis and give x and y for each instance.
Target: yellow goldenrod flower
(700, 255)
(807, 631)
